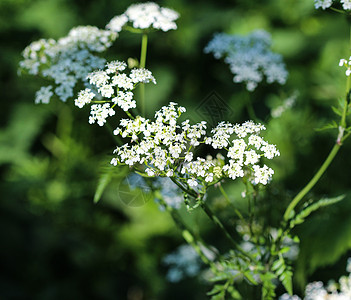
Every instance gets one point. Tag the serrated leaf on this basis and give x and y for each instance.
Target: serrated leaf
(268, 286)
(331, 125)
(219, 296)
(216, 289)
(337, 110)
(306, 211)
(234, 293)
(286, 279)
(284, 250)
(277, 264)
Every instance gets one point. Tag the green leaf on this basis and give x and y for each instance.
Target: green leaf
(234, 293)
(337, 111)
(277, 264)
(220, 277)
(250, 277)
(286, 279)
(268, 286)
(306, 211)
(216, 289)
(331, 125)
(103, 182)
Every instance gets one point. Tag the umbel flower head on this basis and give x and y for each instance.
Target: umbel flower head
(324, 4)
(249, 57)
(66, 61)
(165, 148)
(145, 15)
(111, 87)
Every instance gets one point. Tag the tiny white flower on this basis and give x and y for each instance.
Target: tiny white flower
(169, 173)
(114, 161)
(115, 66)
(192, 182)
(106, 91)
(84, 97)
(342, 62)
(43, 95)
(145, 15)
(189, 156)
(150, 172)
(209, 177)
(324, 4)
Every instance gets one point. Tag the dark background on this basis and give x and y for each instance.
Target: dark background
(55, 243)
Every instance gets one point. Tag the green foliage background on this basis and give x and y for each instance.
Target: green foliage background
(57, 244)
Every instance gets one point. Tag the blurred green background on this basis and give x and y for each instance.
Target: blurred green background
(57, 244)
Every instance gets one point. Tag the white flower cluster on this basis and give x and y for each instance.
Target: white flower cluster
(113, 85)
(346, 63)
(166, 149)
(249, 57)
(324, 4)
(145, 15)
(68, 60)
(334, 291)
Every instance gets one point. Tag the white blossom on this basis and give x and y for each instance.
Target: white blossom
(84, 97)
(324, 4)
(115, 66)
(346, 4)
(169, 148)
(43, 95)
(346, 63)
(113, 87)
(67, 61)
(142, 75)
(124, 100)
(99, 113)
(106, 91)
(192, 182)
(249, 58)
(145, 15)
(262, 175)
(150, 172)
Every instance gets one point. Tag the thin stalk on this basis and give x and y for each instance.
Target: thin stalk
(313, 181)
(142, 65)
(341, 137)
(214, 219)
(187, 233)
(228, 200)
(143, 51)
(219, 224)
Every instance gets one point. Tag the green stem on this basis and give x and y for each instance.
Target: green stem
(341, 137)
(313, 181)
(228, 200)
(142, 65)
(219, 224)
(143, 51)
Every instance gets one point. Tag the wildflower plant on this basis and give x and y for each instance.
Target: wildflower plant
(67, 61)
(167, 147)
